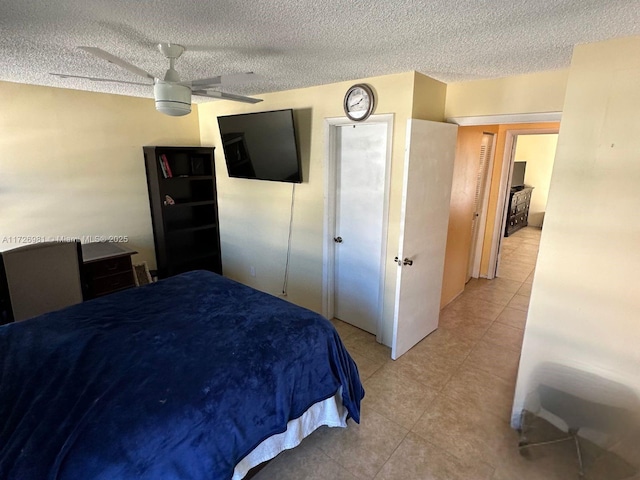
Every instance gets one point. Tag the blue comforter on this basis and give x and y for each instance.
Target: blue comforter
(175, 380)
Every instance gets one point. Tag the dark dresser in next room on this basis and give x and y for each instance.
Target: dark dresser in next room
(519, 201)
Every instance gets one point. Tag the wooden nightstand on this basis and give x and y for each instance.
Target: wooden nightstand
(107, 268)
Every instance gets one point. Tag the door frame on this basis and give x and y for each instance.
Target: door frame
(502, 205)
(329, 251)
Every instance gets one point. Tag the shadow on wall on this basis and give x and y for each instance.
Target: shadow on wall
(604, 416)
(303, 125)
(536, 219)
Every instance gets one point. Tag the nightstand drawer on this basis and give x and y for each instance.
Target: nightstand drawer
(108, 266)
(112, 283)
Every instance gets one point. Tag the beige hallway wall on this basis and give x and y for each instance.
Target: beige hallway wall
(584, 305)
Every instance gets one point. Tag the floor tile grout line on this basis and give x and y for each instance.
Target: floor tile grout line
(394, 451)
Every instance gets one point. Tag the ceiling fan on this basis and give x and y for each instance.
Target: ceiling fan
(172, 96)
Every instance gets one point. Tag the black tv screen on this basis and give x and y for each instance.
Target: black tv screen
(261, 146)
(517, 178)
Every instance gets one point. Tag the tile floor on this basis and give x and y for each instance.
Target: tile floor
(442, 411)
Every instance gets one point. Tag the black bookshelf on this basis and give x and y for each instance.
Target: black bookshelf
(184, 209)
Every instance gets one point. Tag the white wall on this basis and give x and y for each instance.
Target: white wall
(71, 164)
(585, 303)
(539, 152)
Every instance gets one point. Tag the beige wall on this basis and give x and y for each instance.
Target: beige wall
(539, 152)
(254, 215)
(429, 98)
(72, 163)
(585, 303)
(532, 93)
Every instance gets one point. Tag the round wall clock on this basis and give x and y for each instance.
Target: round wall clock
(359, 102)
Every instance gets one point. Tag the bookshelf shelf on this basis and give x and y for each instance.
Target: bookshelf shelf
(189, 177)
(186, 203)
(184, 208)
(189, 228)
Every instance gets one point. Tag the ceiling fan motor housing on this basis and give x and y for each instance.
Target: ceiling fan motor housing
(172, 99)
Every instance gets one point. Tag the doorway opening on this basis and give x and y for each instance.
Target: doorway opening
(525, 189)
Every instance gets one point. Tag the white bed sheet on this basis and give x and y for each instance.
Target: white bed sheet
(330, 412)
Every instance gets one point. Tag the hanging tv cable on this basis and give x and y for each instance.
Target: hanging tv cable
(286, 266)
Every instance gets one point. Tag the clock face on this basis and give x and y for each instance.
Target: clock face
(358, 102)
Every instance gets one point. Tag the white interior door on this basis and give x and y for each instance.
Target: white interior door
(428, 174)
(360, 199)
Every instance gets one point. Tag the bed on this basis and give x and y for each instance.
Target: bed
(194, 377)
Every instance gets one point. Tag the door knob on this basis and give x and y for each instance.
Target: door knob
(406, 261)
(338, 239)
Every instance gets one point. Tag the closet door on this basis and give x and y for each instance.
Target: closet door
(360, 168)
(480, 204)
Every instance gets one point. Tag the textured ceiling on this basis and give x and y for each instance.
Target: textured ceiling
(293, 44)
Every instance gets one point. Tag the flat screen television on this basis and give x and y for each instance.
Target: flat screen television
(261, 146)
(517, 178)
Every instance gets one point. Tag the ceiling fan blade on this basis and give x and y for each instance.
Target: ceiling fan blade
(94, 79)
(231, 79)
(226, 96)
(117, 61)
(203, 82)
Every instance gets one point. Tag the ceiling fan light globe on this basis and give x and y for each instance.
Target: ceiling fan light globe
(171, 50)
(172, 99)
